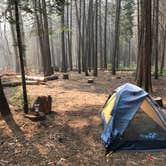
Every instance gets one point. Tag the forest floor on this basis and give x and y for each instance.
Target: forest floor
(70, 135)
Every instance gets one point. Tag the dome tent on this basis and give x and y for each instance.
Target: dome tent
(133, 121)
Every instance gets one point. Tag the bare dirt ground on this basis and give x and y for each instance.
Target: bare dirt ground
(70, 135)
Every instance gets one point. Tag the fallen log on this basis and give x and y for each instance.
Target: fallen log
(39, 78)
(19, 83)
(32, 78)
(7, 75)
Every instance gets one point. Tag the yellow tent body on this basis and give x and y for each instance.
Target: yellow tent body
(108, 107)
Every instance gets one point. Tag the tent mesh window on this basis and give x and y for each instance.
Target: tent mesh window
(143, 128)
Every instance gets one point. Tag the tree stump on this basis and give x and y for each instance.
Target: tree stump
(118, 77)
(159, 101)
(90, 81)
(65, 76)
(43, 104)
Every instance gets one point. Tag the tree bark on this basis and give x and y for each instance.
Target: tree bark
(105, 35)
(16, 2)
(47, 58)
(42, 29)
(14, 37)
(4, 106)
(100, 34)
(155, 35)
(116, 38)
(163, 52)
(70, 33)
(95, 71)
(145, 47)
(78, 17)
(64, 65)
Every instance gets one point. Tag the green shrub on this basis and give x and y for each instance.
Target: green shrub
(16, 98)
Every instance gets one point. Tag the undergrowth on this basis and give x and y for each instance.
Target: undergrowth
(17, 100)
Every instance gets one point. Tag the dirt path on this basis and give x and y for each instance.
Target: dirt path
(70, 135)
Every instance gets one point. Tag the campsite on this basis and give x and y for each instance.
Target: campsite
(70, 135)
(82, 82)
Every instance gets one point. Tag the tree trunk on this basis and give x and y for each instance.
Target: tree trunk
(42, 29)
(47, 58)
(64, 66)
(84, 55)
(116, 38)
(163, 52)
(100, 34)
(4, 106)
(91, 35)
(129, 53)
(14, 37)
(21, 56)
(70, 33)
(145, 47)
(52, 39)
(95, 71)
(39, 26)
(105, 35)
(138, 34)
(79, 37)
(155, 35)
(23, 39)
